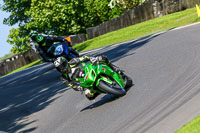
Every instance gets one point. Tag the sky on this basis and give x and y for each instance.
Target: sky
(4, 32)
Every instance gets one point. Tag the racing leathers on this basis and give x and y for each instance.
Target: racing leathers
(75, 72)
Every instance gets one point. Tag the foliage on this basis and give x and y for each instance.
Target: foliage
(18, 38)
(59, 16)
(125, 4)
(68, 16)
(17, 9)
(98, 11)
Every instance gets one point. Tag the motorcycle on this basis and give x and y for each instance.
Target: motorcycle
(100, 78)
(61, 49)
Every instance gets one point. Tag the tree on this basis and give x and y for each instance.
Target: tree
(60, 16)
(17, 9)
(98, 12)
(125, 4)
(19, 39)
(68, 16)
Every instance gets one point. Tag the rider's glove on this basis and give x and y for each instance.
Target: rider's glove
(93, 60)
(103, 59)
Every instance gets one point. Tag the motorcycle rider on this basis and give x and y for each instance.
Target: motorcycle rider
(71, 70)
(43, 44)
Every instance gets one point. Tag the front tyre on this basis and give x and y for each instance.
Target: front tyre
(129, 82)
(111, 89)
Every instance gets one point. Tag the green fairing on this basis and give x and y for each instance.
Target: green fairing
(95, 73)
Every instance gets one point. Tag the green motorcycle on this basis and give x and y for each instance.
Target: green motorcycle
(100, 78)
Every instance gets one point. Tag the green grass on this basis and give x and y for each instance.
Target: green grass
(142, 29)
(191, 127)
(37, 62)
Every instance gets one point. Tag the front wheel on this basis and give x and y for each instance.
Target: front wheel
(112, 89)
(129, 82)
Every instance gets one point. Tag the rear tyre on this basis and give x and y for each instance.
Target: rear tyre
(118, 91)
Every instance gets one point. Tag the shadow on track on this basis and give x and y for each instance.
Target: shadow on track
(105, 99)
(115, 53)
(25, 95)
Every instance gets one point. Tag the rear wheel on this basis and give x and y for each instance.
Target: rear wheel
(112, 89)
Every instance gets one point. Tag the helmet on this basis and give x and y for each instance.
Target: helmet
(61, 64)
(39, 38)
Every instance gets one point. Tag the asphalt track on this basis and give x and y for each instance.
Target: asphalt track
(166, 73)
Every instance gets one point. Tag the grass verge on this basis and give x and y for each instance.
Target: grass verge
(142, 29)
(191, 127)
